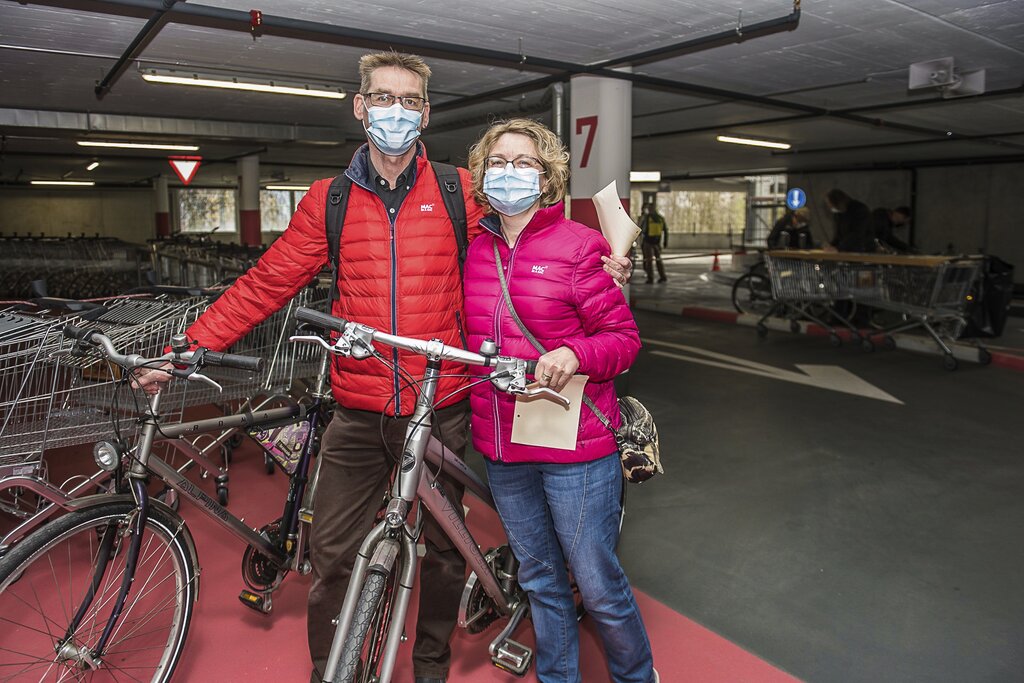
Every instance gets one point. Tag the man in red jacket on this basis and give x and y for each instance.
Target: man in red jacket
(393, 277)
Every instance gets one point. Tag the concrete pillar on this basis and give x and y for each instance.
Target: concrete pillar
(163, 207)
(249, 200)
(600, 141)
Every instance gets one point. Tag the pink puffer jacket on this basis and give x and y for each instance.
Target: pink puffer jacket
(564, 297)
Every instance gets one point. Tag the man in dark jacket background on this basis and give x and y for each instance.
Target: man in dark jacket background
(852, 223)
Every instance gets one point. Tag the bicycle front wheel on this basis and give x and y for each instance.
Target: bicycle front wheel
(363, 653)
(59, 585)
(752, 293)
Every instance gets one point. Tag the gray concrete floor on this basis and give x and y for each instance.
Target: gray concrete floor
(840, 537)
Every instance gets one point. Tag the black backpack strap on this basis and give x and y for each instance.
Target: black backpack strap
(450, 182)
(334, 219)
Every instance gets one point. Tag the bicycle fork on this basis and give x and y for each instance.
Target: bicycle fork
(378, 554)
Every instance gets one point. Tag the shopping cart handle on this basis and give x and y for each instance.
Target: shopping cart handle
(233, 360)
(85, 336)
(322, 320)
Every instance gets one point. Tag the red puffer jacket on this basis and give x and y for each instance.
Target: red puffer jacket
(564, 298)
(402, 279)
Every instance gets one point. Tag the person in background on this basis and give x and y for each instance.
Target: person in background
(792, 231)
(560, 507)
(852, 223)
(883, 223)
(418, 294)
(654, 231)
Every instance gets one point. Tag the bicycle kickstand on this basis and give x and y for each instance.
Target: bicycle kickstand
(510, 655)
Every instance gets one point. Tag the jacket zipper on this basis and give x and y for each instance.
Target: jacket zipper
(497, 335)
(394, 306)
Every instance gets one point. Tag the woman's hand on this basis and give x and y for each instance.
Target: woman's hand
(619, 267)
(556, 368)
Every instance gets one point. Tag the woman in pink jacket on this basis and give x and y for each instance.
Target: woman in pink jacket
(559, 507)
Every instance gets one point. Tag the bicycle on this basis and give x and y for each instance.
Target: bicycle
(370, 624)
(108, 588)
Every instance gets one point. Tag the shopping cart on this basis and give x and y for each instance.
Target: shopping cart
(806, 284)
(927, 292)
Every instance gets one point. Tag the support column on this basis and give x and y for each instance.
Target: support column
(249, 200)
(163, 207)
(600, 135)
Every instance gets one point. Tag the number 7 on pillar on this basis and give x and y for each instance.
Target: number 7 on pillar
(590, 123)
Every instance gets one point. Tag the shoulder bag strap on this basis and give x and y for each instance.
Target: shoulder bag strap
(533, 340)
(334, 218)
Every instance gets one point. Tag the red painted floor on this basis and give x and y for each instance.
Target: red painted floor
(231, 643)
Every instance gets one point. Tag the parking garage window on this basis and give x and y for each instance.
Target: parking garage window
(205, 210)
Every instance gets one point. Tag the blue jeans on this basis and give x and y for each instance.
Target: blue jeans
(556, 515)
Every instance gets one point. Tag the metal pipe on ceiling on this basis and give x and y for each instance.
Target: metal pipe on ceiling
(142, 38)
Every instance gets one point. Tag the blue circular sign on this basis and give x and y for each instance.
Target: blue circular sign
(796, 198)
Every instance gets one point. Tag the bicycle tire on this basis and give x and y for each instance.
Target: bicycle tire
(43, 580)
(362, 654)
(752, 294)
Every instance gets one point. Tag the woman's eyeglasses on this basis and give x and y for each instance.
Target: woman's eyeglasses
(521, 162)
(384, 99)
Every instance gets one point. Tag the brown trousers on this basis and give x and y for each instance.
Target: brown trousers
(356, 459)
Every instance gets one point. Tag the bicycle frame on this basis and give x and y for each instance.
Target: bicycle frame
(395, 537)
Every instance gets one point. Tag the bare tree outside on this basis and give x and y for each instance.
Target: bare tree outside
(203, 210)
(698, 212)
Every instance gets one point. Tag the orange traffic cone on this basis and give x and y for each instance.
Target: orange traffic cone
(714, 266)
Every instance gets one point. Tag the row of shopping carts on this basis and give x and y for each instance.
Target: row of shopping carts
(930, 293)
(79, 267)
(53, 394)
(198, 261)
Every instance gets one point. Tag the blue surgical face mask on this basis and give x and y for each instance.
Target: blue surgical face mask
(511, 190)
(393, 130)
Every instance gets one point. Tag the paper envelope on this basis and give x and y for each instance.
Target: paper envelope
(541, 422)
(616, 225)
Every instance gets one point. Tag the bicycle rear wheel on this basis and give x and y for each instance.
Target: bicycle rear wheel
(45, 581)
(363, 654)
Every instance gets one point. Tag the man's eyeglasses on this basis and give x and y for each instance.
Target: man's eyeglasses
(385, 99)
(521, 162)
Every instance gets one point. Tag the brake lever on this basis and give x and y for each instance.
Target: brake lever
(545, 392)
(341, 347)
(198, 377)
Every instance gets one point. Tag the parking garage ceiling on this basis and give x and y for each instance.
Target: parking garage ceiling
(827, 76)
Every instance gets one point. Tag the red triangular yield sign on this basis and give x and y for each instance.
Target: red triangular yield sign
(185, 167)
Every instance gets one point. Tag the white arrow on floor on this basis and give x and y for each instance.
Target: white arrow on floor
(831, 377)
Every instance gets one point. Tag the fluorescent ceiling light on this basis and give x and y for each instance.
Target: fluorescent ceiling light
(645, 176)
(74, 183)
(139, 145)
(753, 142)
(302, 188)
(250, 84)
(93, 166)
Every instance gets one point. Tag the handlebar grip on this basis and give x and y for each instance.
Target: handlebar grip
(82, 335)
(327, 322)
(531, 367)
(233, 360)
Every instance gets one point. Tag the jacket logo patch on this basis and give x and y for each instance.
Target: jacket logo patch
(426, 207)
(538, 270)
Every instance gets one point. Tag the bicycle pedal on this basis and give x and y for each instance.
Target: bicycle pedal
(260, 602)
(513, 657)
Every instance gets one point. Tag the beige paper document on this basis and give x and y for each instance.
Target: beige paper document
(539, 421)
(616, 225)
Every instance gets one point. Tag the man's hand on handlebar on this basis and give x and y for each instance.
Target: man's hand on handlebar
(556, 368)
(619, 267)
(152, 380)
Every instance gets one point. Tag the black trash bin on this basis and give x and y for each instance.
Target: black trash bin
(992, 295)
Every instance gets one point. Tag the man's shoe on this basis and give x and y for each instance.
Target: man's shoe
(421, 679)
(662, 279)
(648, 281)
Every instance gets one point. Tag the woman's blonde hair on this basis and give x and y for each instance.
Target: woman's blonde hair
(369, 63)
(550, 151)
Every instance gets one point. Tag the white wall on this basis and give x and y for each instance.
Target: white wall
(126, 214)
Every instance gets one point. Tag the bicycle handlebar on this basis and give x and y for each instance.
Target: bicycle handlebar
(356, 341)
(199, 357)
